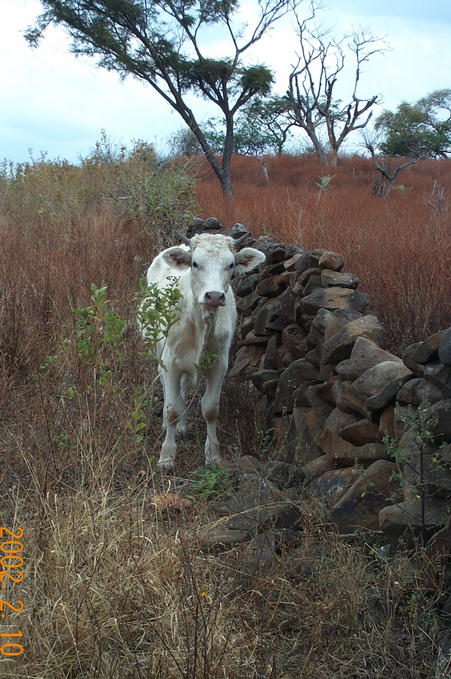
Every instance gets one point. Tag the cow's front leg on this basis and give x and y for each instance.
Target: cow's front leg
(173, 410)
(184, 390)
(210, 409)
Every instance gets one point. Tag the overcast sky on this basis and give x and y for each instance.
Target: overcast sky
(56, 103)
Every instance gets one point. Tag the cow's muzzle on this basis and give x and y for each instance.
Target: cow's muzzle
(213, 299)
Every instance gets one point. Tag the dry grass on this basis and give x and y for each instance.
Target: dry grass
(113, 588)
(399, 247)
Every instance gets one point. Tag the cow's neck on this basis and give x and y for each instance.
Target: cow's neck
(206, 323)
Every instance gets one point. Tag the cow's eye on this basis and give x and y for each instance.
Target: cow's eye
(231, 265)
(195, 265)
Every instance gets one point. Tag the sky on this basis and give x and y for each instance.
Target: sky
(56, 104)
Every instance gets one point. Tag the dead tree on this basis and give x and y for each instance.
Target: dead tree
(313, 81)
(384, 183)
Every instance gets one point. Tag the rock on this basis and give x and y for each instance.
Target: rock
(316, 467)
(170, 502)
(320, 405)
(259, 555)
(290, 264)
(338, 420)
(439, 374)
(360, 506)
(334, 298)
(303, 279)
(254, 504)
(299, 445)
(301, 396)
(212, 224)
(387, 422)
(317, 327)
(342, 452)
(331, 260)
(313, 424)
(296, 374)
(221, 538)
(334, 483)
(365, 354)
(416, 390)
(408, 513)
(246, 305)
(246, 360)
(347, 399)
(285, 475)
(386, 396)
(247, 464)
(303, 263)
(441, 428)
(268, 247)
(373, 380)
(314, 356)
(269, 362)
(343, 280)
(271, 287)
(277, 254)
(441, 541)
(428, 349)
(340, 345)
(312, 283)
(271, 270)
(247, 285)
(407, 357)
(252, 338)
(293, 339)
(238, 230)
(336, 320)
(361, 432)
(280, 427)
(261, 377)
(307, 370)
(444, 351)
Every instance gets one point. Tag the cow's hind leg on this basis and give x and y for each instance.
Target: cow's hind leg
(210, 409)
(173, 410)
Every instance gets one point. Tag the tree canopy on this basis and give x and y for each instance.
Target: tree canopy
(165, 43)
(420, 130)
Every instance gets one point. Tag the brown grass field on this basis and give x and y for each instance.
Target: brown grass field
(399, 247)
(111, 587)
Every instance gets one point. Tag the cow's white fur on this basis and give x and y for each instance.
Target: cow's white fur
(206, 323)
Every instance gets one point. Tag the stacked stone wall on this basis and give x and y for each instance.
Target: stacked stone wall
(314, 351)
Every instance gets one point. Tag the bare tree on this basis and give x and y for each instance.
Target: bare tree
(387, 169)
(313, 83)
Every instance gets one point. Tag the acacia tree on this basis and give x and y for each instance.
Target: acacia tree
(422, 129)
(313, 83)
(160, 42)
(261, 127)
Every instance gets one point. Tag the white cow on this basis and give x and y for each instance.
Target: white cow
(204, 268)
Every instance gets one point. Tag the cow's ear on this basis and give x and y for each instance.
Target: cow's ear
(247, 259)
(178, 257)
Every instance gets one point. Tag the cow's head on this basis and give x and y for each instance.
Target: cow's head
(213, 260)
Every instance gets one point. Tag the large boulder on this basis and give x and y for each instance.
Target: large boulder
(360, 506)
(365, 354)
(340, 345)
(334, 298)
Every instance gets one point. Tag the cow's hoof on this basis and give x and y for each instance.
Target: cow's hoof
(166, 468)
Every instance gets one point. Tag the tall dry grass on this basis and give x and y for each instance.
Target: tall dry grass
(399, 246)
(113, 588)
